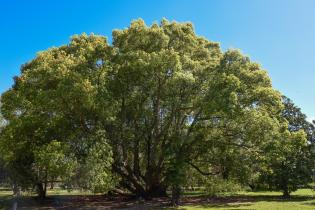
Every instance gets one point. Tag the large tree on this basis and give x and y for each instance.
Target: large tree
(165, 98)
(53, 100)
(173, 90)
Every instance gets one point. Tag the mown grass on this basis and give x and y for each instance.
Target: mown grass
(5, 198)
(302, 199)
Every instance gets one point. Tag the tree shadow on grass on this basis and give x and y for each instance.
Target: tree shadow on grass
(310, 203)
(65, 202)
(90, 202)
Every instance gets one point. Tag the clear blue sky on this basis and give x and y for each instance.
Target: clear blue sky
(279, 34)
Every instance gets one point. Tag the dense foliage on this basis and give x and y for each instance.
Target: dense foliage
(289, 160)
(142, 113)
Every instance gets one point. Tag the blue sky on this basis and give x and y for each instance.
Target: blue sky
(278, 34)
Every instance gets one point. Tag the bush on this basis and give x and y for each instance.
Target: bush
(217, 186)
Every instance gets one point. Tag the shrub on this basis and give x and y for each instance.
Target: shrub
(217, 186)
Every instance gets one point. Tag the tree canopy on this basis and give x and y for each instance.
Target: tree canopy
(152, 105)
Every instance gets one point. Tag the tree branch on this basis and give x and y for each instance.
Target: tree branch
(202, 172)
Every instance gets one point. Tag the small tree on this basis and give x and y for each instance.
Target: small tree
(51, 163)
(96, 170)
(288, 163)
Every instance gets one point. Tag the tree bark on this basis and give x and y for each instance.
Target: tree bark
(16, 190)
(286, 193)
(41, 192)
(156, 190)
(52, 185)
(136, 161)
(225, 173)
(175, 195)
(145, 187)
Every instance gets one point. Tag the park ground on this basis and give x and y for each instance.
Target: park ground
(62, 199)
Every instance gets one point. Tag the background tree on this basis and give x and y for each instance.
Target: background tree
(297, 120)
(288, 163)
(3, 171)
(53, 100)
(289, 160)
(52, 162)
(2, 121)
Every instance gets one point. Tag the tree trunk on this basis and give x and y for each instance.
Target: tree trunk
(52, 185)
(146, 188)
(175, 195)
(157, 190)
(136, 161)
(252, 186)
(16, 190)
(286, 193)
(41, 192)
(225, 173)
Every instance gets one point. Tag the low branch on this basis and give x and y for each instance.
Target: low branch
(202, 172)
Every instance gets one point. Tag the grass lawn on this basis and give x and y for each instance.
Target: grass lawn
(5, 197)
(62, 199)
(301, 199)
